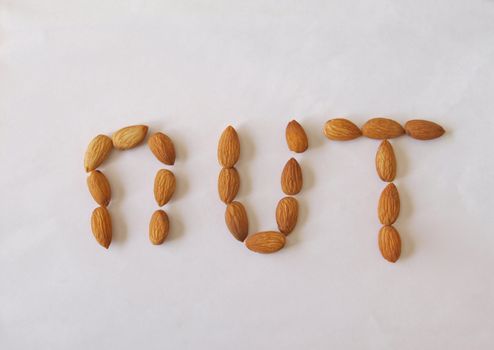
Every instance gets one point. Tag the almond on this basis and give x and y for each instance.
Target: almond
(291, 177)
(296, 138)
(386, 161)
(97, 151)
(389, 205)
(340, 129)
(382, 128)
(237, 221)
(129, 136)
(99, 187)
(228, 184)
(162, 147)
(389, 243)
(266, 242)
(164, 186)
(158, 227)
(101, 226)
(287, 214)
(423, 129)
(228, 148)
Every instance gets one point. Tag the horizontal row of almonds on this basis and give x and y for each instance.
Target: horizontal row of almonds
(338, 129)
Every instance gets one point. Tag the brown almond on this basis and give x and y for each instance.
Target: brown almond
(340, 129)
(99, 187)
(237, 221)
(291, 178)
(423, 129)
(101, 226)
(296, 138)
(164, 186)
(162, 147)
(228, 148)
(228, 184)
(129, 136)
(390, 243)
(266, 242)
(382, 128)
(97, 151)
(287, 214)
(158, 227)
(389, 205)
(386, 161)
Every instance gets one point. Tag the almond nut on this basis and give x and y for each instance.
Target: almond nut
(129, 136)
(386, 161)
(228, 184)
(296, 138)
(389, 205)
(287, 214)
(97, 151)
(237, 221)
(162, 147)
(390, 243)
(158, 227)
(101, 226)
(291, 178)
(423, 129)
(266, 242)
(382, 128)
(340, 129)
(164, 186)
(228, 148)
(99, 187)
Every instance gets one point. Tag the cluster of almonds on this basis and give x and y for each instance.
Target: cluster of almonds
(389, 201)
(291, 184)
(98, 151)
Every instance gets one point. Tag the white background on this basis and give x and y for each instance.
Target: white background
(72, 69)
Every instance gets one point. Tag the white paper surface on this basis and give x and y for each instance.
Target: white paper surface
(72, 69)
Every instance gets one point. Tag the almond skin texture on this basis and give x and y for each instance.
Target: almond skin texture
(287, 214)
(236, 220)
(382, 128)
(164, 186)
(158, 227)
(228, 148)
(390, 243)
(296, 138)
(266, 242)
(228, 184)
(386, 162)
(129, 136)
(101, 226)
(291, 178)
(389, 205)
(423, 129)
(162, 147)
(99, 187)
(97, 151)
(340, 129)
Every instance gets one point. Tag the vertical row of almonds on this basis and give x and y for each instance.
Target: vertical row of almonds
(164, 186)
(229, 183)
(389, 202)
(97, 152)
